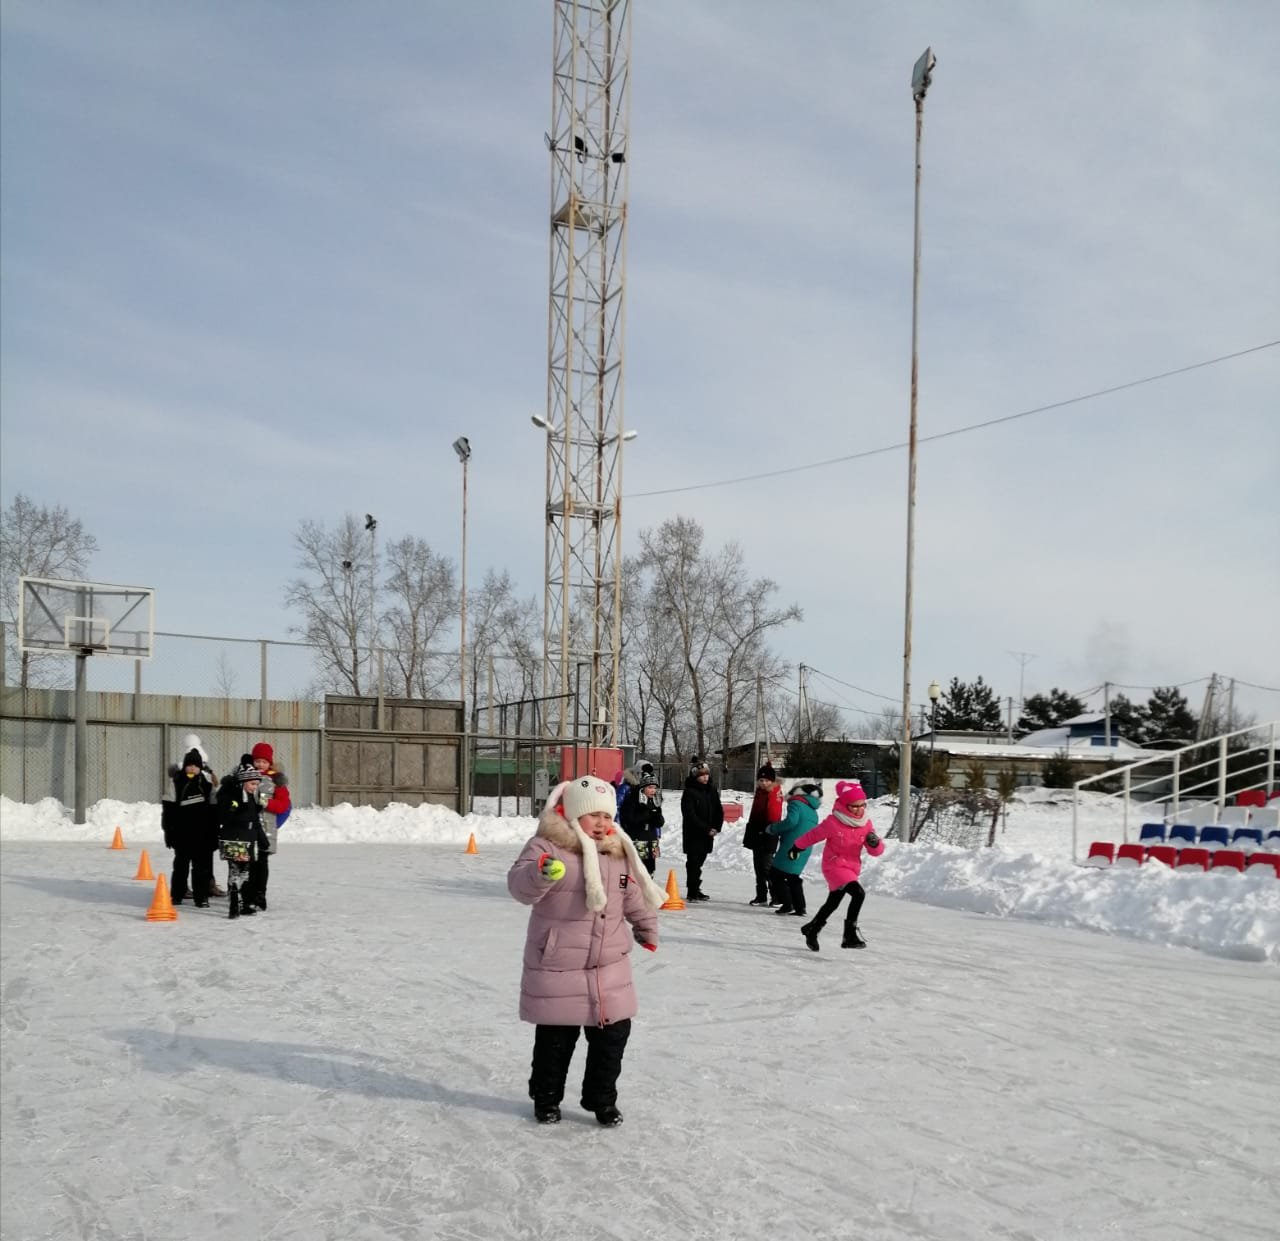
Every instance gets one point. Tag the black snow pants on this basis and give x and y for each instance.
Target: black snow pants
(857, 894)
(553, 1050)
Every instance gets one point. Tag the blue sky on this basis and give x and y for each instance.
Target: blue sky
(263, 263)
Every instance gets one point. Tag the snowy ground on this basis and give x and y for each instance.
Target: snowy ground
(349, 1065)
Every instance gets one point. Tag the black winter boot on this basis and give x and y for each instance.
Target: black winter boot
(852, 939)
(609, 1116)
(546, 1113)
(810, 932)
(233, 904)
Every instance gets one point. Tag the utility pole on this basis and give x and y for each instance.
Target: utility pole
(1106, 713)
(1023, 658)
(921, 78)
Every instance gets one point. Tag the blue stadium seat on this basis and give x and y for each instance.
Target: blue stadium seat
(1215, 837)
(1183, 832)
(1153, 832)
(1247, 838)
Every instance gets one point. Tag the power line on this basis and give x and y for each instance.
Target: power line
(973, 426)
(869, 692)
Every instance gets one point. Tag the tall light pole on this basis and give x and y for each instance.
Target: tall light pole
(920, 80)
(462, 446)
(371, 525)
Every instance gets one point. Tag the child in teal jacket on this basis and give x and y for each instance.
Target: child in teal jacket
(785, 882)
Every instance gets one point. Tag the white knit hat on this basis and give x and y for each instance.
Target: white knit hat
(588, 794)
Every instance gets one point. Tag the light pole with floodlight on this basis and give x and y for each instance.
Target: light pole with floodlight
(921, 77)
(462, 446)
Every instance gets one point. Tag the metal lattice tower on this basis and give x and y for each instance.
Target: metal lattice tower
(590, 106)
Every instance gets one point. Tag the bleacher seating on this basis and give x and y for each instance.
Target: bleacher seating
(1247, 838)
(1184, 832)
(1153, 832)
(1198, 814)
(1214, 837)
(1252, 797)
(1260, 863)
(1265, 817)
(1216, 854)
(1193, 859)
(1234, 816)
(1231, 859)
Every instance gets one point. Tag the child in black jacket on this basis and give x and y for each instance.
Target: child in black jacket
(641, 818)
(241, 838)
(190, 828)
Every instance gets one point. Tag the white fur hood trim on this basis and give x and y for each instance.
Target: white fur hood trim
(568, 835)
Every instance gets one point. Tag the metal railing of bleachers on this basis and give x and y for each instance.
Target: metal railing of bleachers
(1202, 770)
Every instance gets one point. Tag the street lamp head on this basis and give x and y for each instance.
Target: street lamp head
(462, 446)
(935, 692)
(628, 436)
(921, 75)
(370, 522)
(543, 425)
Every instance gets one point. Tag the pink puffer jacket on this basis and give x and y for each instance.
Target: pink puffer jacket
(577, 964)
(842, 853)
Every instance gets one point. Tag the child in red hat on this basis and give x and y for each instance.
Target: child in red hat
(273, 797)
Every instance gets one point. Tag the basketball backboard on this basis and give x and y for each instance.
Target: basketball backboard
(75, 618)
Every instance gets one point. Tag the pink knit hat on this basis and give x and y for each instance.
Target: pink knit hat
(848, 792)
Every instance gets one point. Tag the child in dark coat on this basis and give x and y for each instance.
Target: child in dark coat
(188, 819)
(241, 838)
(641, 818)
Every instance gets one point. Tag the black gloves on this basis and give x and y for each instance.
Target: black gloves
(793, 853)
(872, 840)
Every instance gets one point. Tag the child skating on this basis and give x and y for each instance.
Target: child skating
(847, 831)
(585, 883)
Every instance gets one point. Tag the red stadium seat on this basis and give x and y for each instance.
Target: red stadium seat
(1163, 853)
(732, 811)
(1130, 855)
(1261, 863)
(1101, 853)
(1193, 859)
(1252, 797)
(1227, 859)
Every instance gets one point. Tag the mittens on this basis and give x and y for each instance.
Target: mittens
(550, 868)
(649, 947)
(872, 840)
(793, 853)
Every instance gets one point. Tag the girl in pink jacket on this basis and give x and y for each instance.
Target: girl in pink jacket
(585, 883)
(847, 831)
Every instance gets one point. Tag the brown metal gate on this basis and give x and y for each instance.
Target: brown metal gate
(406, 750)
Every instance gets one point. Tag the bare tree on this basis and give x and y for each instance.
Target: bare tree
(333, 599)
(686, 592)
(38, 541)
(423, 588)
(225, 678)
(743, 619)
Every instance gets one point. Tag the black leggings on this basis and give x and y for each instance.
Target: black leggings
(553, 1050)
(857, 895)
(762, 861)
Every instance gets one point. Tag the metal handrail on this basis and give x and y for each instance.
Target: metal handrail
(1219, 764)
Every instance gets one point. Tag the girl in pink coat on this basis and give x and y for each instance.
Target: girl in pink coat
(585, 883)
(847, 831)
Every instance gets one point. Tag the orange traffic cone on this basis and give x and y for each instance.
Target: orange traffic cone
(162, 909)
(117, 841)
(471, 844)
(673, 900)
(144, 867)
